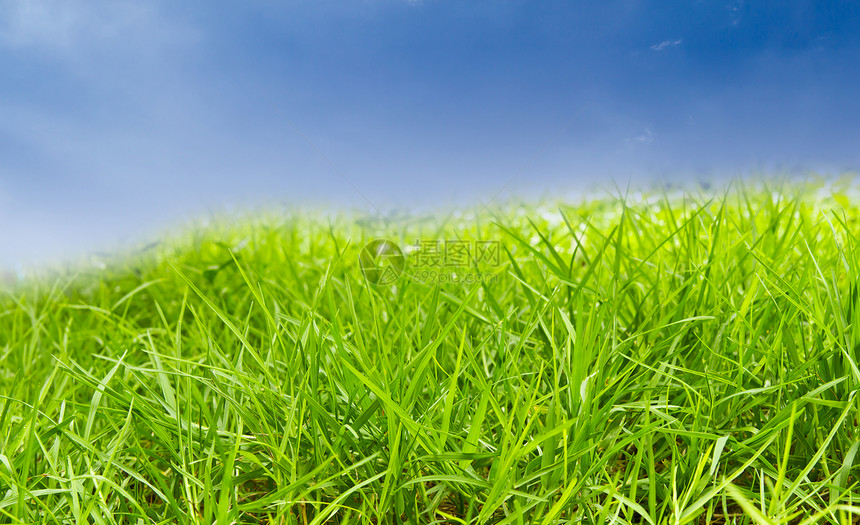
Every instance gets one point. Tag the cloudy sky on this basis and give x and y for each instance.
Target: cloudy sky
(119, 118)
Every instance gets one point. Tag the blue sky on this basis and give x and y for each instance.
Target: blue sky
(119, 118)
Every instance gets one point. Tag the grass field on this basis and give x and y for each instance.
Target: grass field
(674, 358)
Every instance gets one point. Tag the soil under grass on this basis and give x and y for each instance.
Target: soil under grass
(664, 359)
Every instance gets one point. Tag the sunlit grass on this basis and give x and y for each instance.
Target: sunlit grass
(670, 358)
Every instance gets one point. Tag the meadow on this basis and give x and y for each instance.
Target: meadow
(673, 357)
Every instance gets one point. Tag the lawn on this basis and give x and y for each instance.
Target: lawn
(669, 357)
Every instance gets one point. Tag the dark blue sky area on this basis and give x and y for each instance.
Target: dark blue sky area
(116, 118)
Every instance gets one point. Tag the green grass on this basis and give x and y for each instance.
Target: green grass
(669, 359)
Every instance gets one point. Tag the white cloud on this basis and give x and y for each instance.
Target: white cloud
(61, 27)
(27, 23)
(647, 137)
(735, 12)
(666, 43)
